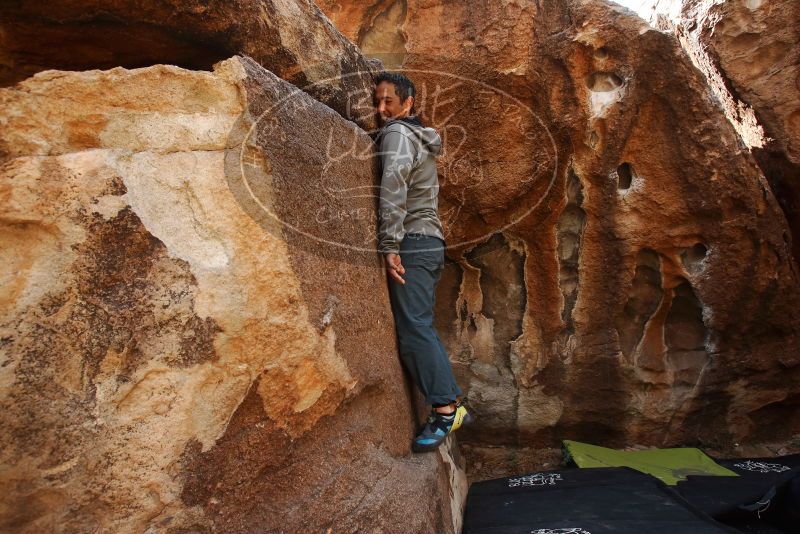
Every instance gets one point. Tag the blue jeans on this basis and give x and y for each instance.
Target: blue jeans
(421, 350)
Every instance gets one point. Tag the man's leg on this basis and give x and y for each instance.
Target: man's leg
(421, 350)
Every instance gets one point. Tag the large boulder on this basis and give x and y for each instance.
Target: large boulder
(620, 271)
(749, 51)
(292, 38)
(188, 343)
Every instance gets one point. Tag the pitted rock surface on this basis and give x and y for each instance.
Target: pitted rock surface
(620, 269)
(174, 358)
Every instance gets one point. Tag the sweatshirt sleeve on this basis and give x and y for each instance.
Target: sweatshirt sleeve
(397, 154)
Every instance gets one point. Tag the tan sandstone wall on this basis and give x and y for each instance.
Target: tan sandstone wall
(196, 334)
(173, 357)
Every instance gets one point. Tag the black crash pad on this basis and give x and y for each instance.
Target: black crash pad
(758, 478)
(614, 500)
(766, 488)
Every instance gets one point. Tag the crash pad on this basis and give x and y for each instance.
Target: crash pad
(614, 500)
(765, 496)
(668, 465)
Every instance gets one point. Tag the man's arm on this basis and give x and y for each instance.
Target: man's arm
(397, 156)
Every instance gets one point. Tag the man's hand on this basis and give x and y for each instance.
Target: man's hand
(394, 268)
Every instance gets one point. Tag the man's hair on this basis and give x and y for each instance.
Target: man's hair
(403, 87)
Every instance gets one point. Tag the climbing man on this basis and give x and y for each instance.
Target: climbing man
(411, 240)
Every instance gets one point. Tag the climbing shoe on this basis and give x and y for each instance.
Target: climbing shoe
(437, 428)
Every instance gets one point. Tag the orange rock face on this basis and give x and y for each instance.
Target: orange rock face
(620, 270)
(176, 356)
(750, 53)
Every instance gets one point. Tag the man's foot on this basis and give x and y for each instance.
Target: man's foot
(447, 409)
(437, 428)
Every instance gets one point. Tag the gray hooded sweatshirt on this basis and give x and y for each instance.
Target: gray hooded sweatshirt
(409, 182)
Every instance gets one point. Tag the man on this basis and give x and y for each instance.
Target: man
(411, 239)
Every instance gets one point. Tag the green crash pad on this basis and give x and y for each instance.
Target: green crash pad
(669, 465)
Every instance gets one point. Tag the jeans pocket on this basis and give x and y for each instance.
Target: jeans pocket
(429, 256)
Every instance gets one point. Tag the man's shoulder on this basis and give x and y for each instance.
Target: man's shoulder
(405, 136)
(399, 127)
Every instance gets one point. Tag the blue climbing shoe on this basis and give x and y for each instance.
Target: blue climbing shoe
(437, 428)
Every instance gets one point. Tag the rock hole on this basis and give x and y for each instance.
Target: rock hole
(601, 53)
(624, 176)
(693, 257)
(603, 82)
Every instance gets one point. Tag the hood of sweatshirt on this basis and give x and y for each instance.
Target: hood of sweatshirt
(427, 136)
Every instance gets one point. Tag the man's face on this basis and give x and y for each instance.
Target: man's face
(387, 103)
